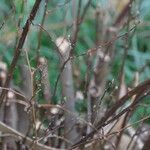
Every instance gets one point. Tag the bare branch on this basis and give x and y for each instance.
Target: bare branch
(19, 47)
(6, 129)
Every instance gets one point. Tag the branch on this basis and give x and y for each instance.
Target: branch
(19, 47)
(122, 15)
(18, 135)
(78, 22)
(142, 88)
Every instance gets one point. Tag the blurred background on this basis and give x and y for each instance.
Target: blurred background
(81, 57)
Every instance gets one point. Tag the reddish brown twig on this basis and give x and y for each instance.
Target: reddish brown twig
(123, 13)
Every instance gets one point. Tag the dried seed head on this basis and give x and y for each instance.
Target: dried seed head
(54, 110)
(42, 60)
(63, 45)
(2, 75)
(10, 95)
(3, 66)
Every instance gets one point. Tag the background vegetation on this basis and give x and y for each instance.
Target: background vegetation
(61, 93)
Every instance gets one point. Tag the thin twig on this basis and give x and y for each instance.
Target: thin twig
(19, 47)
(6, 129)
(142, 88)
